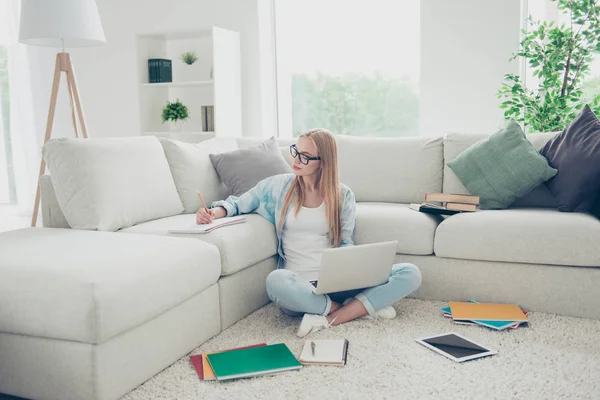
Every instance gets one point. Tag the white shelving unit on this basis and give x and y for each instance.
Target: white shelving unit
(190, 137)
(218, 50)
(173, 84)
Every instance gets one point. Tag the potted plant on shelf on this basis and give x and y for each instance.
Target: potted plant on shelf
(176, 113)
(560, 56)
(190, 69)
(189, 57)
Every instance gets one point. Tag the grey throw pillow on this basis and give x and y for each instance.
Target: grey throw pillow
(240, 170)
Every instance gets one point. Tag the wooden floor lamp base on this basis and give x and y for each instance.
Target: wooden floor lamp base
(63, 64)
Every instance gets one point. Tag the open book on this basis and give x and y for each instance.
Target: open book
(206, 228)
(430, 208)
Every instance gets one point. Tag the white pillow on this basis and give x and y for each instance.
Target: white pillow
(193, 171)
(109, 184)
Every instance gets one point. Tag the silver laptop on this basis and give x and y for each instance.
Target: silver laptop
(355, 267)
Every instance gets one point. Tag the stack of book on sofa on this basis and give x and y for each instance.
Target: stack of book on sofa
(447, 203)
(494, 316)
(245, 362)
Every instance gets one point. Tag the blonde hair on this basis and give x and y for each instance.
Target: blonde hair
(327, 183)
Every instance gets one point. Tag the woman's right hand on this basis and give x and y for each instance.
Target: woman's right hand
(206, 216)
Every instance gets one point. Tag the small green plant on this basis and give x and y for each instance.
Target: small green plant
(175, 111)
(189, 58)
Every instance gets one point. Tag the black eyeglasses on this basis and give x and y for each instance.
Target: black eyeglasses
(304, 159)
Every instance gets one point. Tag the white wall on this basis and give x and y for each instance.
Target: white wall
(465, 50)
(106, 75)
(465, 47)
(267, 68)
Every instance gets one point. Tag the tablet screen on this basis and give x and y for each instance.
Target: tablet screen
(455, 346)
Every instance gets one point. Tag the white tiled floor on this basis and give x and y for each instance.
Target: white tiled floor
(10, 220)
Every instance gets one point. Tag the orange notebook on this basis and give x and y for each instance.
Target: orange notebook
(486, 311)
(209, 374)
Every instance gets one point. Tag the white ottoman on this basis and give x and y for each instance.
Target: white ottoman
(91, 315)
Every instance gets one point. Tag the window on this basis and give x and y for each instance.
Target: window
(349, 66)
(8, 193)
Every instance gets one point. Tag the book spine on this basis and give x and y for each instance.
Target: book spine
(169, 71)
(151, 75)
(452, 198)
(461, 207)
(204, 121)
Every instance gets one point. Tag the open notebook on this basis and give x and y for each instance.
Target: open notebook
(326, 352)
(206, 228)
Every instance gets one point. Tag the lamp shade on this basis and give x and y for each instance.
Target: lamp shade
(58, 23)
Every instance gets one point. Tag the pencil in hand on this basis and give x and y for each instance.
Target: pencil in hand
(202, 200)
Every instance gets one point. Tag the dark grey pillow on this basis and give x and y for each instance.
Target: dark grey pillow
(575, 152)
(240, 170)
(595, 211)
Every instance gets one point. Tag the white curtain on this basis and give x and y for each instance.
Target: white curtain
(24, 141)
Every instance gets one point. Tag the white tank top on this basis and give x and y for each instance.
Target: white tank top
(304, 239)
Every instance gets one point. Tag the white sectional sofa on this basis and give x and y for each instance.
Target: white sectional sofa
(81, 310)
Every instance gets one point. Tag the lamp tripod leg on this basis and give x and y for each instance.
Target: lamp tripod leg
(49, 122)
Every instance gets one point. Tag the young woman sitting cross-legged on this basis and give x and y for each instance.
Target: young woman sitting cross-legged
(312, 212)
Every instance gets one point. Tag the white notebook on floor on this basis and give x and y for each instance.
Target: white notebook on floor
(324, 352)
(206, 228)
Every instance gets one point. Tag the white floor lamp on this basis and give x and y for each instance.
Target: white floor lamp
(60, 23)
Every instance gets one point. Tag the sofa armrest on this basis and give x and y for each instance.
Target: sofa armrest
(52, 216)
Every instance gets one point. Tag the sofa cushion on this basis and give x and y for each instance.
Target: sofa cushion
(108, 184)
(396, 170)
(501, 168)
(240, 170)
(240, 245)
(378, 222)
(528, 235)
(456, 143)
(90, 286)
(52, 215)
(193, 171)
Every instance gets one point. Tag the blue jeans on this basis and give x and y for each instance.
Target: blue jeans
(295, 296)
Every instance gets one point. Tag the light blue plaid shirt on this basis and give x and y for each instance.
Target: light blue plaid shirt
(266, 199)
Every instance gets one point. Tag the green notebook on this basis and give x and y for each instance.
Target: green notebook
(255, 361)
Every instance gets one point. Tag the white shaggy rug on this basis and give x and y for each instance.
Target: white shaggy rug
(556, 357)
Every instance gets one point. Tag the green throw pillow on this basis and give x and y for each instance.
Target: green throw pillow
(502, 168)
